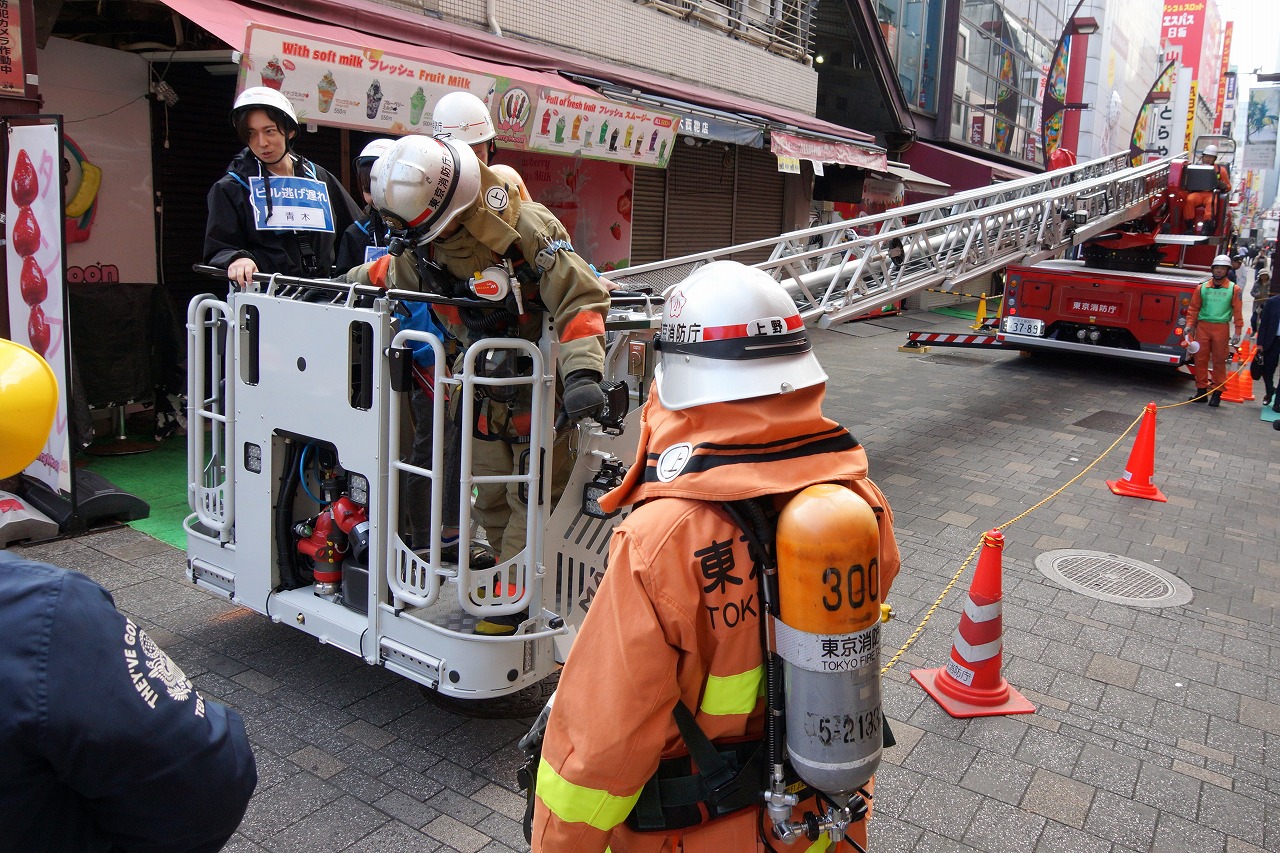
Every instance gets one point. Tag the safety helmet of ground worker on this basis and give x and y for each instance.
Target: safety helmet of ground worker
(264, 98)
(421, 184)
(363, 163)
(28, 400)
(1210, 151)
(464, 117)
(730, 332)
(1221, 261)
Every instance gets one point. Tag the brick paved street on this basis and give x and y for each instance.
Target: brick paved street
(1155, 729)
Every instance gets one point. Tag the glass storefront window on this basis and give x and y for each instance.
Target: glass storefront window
(1003, 51)
(911, 29)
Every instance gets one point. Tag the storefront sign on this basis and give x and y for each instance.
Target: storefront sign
(708, 127)
(827, 151)
(599, 130)
(788, 165)
(342, 85)
(34, 260)
(977, 130)
(12, 77)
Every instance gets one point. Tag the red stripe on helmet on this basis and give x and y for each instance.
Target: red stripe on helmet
(422, 217)
(723, 333)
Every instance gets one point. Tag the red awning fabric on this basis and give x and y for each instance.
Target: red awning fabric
(961, 171)
(229, 20)
(484, 52)
(826, 151)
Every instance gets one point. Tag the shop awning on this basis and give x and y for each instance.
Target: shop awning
(520, 57)
(348, 78)
(916, 182)
(823, 150)
(963, 171)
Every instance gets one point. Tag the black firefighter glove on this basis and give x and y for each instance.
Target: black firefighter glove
(583, 398)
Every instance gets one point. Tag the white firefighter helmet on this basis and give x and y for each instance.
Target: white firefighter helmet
(262, 97)
(28, 402)
(1221, 261)
(375, 149)
(464, 117)
(1210, 151)
(363, 163)
(421, 184)
(730, 332)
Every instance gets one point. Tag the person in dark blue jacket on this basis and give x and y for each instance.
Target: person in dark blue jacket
(1269, 342)
(365, 239)
(274, 211)
(105, 745)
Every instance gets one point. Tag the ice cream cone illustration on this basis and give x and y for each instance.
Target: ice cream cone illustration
(327, 86)
(374, 96)
(417, 101)
(560, 122)
(273, 74)
(626, 140)
(577, 127)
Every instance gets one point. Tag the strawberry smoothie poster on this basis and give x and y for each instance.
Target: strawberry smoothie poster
(591, 198)
(34, 262)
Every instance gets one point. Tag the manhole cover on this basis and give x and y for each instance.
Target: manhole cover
(1108, 577)
(1105, 421)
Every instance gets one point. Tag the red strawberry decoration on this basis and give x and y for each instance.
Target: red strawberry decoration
(624, 205)
(38, 330)
(34, 286)
(616, 230)
(26, 233)
(25, 185)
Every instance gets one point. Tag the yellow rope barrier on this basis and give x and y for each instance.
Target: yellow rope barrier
(969, 559)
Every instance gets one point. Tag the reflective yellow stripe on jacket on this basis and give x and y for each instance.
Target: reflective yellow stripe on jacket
(572, 803)
(577, 804)
(726, 695)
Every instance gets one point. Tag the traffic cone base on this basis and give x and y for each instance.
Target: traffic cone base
(1136, 482)
(940, 684)
(970, 685)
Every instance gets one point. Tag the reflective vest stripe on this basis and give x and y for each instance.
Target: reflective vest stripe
(726, 695)
(577, 804)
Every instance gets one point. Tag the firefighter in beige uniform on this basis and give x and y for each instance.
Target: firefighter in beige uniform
(458, 214)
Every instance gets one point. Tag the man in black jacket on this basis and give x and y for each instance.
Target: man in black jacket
(105, 745)
(274, 211)
(1269, 342)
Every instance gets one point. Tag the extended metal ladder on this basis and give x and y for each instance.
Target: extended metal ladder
(835, 275)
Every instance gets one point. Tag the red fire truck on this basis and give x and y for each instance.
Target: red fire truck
(1127, 295)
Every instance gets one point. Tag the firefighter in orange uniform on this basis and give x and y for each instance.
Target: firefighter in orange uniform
(736, 414)
(1203, 206)
(1214, 305)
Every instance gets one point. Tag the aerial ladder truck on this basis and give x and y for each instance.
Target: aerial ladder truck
(299, 436)
(1126, 298)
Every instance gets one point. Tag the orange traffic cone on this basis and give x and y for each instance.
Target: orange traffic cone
(1231, 392)
(1136, 482)
(1247, 351)
(970, 685)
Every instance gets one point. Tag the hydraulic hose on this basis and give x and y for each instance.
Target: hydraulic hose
(286, 553)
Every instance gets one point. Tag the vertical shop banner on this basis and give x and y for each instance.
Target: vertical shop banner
(1183, 26)
(1260, 129)
(1223, 68)
(1152, 133)
(591, 198)
(13, 78)
(343, 85)
(600, 130)
(34, 267)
